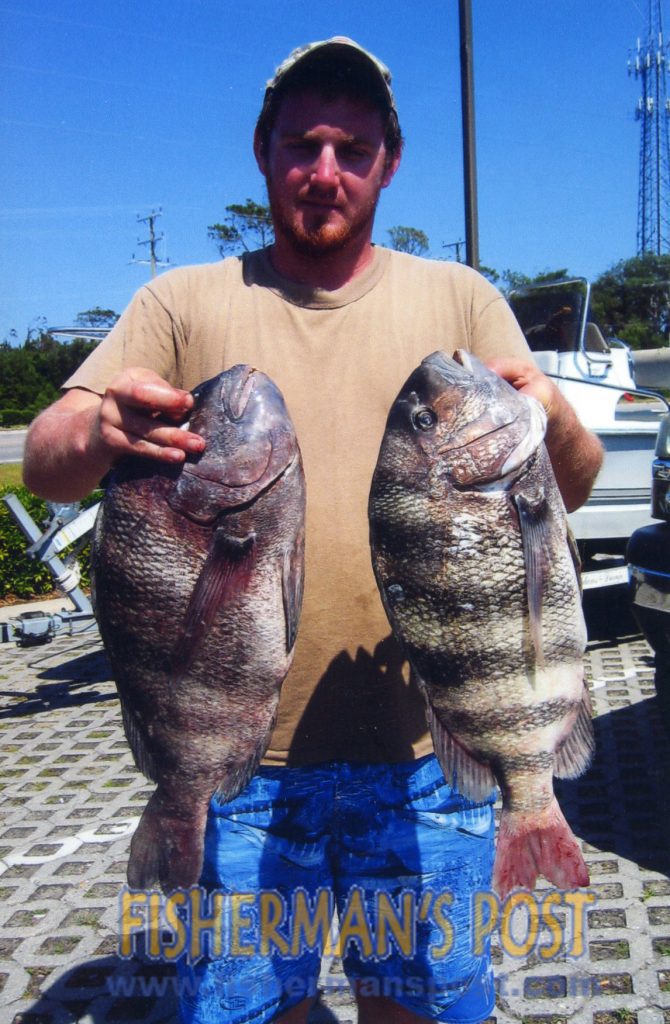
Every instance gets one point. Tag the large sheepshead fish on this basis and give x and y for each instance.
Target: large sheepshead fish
(472, 555)
(198, 574)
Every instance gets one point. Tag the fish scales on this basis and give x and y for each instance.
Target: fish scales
(470, 551)
(198, 575)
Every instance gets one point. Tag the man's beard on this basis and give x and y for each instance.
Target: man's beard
(323, 239)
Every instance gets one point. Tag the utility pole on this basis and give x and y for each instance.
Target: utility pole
(468, 118)
(455, 245)
(152, 241)
(653, 111)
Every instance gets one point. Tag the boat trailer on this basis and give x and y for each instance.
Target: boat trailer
(67, 525)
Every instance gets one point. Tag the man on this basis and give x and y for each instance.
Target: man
(350, 801)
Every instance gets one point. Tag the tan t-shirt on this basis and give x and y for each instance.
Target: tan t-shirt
(340, 358)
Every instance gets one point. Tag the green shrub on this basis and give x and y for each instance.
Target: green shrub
(20, 576)
(10, 416)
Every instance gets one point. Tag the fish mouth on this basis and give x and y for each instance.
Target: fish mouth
(452, 369)
(253, 449)
(520, 415)
(236, 392)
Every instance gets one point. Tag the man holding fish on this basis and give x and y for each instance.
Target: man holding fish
(349, 800)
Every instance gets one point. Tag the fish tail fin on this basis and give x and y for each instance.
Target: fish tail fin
(537, 844)
(166, 850)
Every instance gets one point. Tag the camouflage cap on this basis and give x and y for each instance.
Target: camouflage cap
(337, 46)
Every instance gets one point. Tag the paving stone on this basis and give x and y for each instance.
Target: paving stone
(553, 987)
(657, 888)
(616, 1016)
(658, 915)
(616, 949)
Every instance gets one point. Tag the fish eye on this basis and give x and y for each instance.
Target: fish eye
(424, 419)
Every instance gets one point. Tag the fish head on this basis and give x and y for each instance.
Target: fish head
(250, 441)
(473, 426)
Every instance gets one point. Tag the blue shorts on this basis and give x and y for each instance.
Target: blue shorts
(392, 848)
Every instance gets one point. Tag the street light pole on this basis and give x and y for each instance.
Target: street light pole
(468, 118)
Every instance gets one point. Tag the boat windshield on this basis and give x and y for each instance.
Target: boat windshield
(551, 316)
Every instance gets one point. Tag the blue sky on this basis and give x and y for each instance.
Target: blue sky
(114, 107)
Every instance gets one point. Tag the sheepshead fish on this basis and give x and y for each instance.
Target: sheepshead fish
(198, 574)
(472, 558)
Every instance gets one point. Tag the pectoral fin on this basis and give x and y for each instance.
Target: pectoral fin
(576, 558)
(292, 585)
(534, 522)
(224, 576)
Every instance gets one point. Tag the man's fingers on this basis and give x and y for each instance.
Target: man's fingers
(167, 401)
(139, 388)
(128, 432)
(147, 449)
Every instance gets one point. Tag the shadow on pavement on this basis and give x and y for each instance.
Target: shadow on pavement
(609, 618)
(69, 682)
(93, 667)
(111, 989)
(622, 804)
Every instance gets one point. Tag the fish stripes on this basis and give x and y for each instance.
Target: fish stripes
(511, 718)
(470, 551)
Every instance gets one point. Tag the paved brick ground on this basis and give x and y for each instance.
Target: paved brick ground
(71, 798)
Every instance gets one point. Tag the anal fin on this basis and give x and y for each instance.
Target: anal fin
(473, 779)
(141, 756)
(574, 755)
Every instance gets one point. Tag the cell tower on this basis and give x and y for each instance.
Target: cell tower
(653, 111)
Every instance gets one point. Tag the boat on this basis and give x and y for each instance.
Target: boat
(597, 376)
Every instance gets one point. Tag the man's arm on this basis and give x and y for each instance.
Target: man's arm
(72, 444)
(576, 453)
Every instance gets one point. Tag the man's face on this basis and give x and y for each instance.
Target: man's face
(325, 166)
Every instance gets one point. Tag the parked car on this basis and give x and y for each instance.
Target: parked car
(648, 555)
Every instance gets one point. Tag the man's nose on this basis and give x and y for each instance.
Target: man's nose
(325, 172)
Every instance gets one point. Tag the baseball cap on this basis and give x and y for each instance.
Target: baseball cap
(338, 47)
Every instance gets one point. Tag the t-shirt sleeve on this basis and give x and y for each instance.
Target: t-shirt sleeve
(495, 329)
(146, 335)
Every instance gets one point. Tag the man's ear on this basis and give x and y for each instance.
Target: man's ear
(259, 153)
(391, 167)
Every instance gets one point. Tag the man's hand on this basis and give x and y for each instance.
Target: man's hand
(73, 443)
(139, 414)
(576, 454)
(527, 378)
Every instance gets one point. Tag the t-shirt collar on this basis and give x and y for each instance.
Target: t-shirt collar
(258, 270)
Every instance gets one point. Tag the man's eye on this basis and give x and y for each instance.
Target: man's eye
(355, 153)
(300, 147)
(424, 419)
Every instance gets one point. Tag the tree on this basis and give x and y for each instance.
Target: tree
(632, 300)
(509, 280)
(96, 317)
(248, 226)
(411, 240)
(32, 374)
